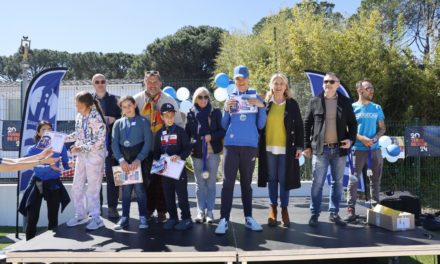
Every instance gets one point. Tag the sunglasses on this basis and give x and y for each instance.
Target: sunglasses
(100, 82)
(201, 97)
(369, 88)
(330, 81)
(152, 73)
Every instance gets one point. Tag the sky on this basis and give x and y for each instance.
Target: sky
(126, 26)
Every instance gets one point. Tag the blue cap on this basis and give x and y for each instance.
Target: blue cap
(167, 107)
(241, 71)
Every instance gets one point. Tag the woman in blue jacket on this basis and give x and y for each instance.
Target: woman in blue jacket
(45, 183)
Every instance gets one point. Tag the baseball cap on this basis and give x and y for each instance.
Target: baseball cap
(167, 107)
(241, 71)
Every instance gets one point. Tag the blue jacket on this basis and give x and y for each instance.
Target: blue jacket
(241, 132)
(45, 172)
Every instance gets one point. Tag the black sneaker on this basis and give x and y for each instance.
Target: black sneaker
(335, 218)
(313, 222)
(351, 215)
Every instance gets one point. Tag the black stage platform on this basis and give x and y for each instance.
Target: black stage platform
(200, 244)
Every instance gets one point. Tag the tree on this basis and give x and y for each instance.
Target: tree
(41, 59)
(189, 53)
(409, 22)
(10, 67)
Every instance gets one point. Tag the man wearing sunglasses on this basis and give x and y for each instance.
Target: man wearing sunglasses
(112, 112)
(371, 126)
(330, 128)
(149, 102)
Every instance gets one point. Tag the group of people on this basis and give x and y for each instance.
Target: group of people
(134, 131)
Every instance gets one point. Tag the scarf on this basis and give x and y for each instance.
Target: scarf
(149, 109)
(202, 115)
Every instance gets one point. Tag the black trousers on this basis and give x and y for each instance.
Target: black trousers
(33, 212)
(237, 159)
(171, 187)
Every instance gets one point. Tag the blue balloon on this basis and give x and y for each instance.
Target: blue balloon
(393, 150)
(170, 91)
(222, 80)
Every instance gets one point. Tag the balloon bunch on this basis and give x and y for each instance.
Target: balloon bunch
(182, 94)
(225, 88)
(389, 150)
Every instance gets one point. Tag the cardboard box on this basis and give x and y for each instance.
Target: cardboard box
(390, 219)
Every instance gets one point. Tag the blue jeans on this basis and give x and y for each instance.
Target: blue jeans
(205, 188)
(320, 163)
(276, 170)
(141, 197)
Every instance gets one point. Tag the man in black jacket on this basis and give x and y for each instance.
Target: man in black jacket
(330, 129)
(112, 112)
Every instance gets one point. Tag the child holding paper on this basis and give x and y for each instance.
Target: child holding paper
(45, 183)
(89, 137)
(173, 141)
(131, 143)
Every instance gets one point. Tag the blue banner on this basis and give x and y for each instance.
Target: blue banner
(422, 141)
(41, 103)
(316, 80)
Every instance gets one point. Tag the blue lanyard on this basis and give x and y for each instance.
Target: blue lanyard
(370, 158)
(168, 139)
(128, 127)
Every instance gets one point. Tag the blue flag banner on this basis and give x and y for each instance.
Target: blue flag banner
(41, 103)
(316, 80)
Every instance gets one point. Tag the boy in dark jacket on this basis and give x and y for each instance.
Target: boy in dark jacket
(173, 141)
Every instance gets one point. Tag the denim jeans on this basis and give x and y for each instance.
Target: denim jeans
(320, 163)
(276, 170)
(141, 197)
(171, 187)
(205, 188)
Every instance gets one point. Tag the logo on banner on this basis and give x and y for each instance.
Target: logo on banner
(41, 103)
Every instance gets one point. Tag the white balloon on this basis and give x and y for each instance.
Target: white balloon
(220, 94)
(384, 141)
(185, 106)
(384, 152)
(182, 93)
(301, 160)
(392, 159)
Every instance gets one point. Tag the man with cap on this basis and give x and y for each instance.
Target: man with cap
(150, 102)
(173, 141)
(241, 146)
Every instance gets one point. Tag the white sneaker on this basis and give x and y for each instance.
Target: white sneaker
(77, 220)
(200, 218)
(143, 222)
(209, 217)
(252, 224)
(222, 227)
(95, 223)
(121, 224)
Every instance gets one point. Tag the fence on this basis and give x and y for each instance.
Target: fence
(420, 176)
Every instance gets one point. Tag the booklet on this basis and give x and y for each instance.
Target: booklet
(165, 167)
(242, 106)
(52, 139)
(123, 178)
